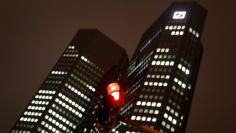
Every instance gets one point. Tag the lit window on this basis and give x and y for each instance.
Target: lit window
(197, 34)
(167, 50)
(133, 117)
(143, 103)
(173, 33)
(172, 63)
(138, 103)
(180, 82)
(146, 83)
(155, 84)
(167, 76)
(156, 112)
(138, 118)
(162, 50)
(167, 126)
(154, 119)
(150, 83)
(165, 115)
(163, 123)
(179, 66)
(177, 33)
(172, 129)
(158, 104)
(184, 85)
(190, 29)
(187, 72)
(165, 84)
(170, 118)
(143, 118)
(176, 114)
(174, 121)
(153, 62)
(151, 111)
(162, 63)
(167, 63)
(166, 27)
(153, 104)
(149, 119)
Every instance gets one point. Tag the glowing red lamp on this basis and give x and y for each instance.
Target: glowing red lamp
(113, 89)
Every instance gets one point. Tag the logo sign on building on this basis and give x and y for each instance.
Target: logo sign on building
(179, 14)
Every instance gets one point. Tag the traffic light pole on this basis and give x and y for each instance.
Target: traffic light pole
(137, 125)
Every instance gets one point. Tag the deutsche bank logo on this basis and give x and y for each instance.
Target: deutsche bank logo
(179, 14)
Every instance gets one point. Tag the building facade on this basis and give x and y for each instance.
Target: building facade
(67, 94)
(162, 73)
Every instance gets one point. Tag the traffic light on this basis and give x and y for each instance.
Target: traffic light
(115, 94)
(112, 96)
(113, 89)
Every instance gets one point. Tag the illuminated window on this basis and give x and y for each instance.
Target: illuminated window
(173, 33)
(138, 118)
(166, 27)
(133, 117)
(177, 33)
(143, 118)
(197, 34)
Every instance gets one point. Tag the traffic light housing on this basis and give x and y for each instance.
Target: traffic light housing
(115, 95)
(112, 96)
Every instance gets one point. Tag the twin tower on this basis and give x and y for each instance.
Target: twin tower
(161, 77)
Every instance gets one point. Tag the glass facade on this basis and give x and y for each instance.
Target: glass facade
(67, 95)
(162, 73)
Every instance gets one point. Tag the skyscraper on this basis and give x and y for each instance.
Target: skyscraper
(67, 95)
(162, 73)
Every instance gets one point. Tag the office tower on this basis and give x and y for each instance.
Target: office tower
(162, 73)
(67, 95)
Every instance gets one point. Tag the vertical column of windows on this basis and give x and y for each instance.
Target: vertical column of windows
(171, 116)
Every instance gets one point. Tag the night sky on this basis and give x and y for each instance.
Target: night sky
(33, 34)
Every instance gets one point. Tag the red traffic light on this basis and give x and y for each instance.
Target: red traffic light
(113, 89)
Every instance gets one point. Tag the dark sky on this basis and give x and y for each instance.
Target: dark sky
(33, 34)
